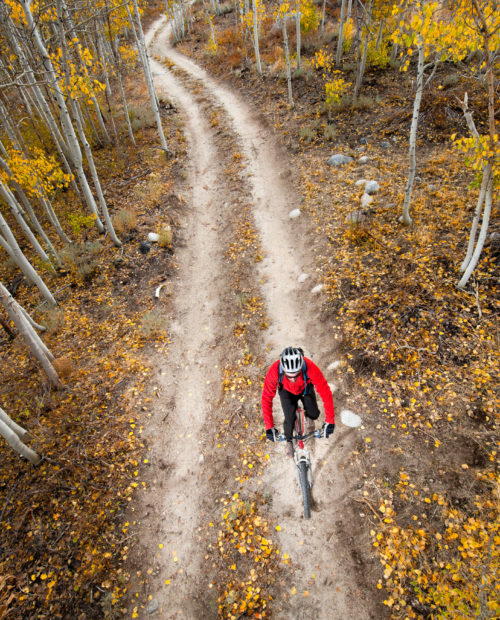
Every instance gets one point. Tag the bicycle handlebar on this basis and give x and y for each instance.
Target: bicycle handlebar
(317, 434)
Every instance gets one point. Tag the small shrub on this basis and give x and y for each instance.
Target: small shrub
(307, 135)
(329, 132)
(141, 117)
(152, 322)
(82, 259)
(165, 237)
(450, 80)
(124, 220)
(53, 320)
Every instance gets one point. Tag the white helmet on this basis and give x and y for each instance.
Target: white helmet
(291, 360)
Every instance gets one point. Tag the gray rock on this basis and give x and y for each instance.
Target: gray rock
(366, 200)
(293, 214)
(152, 606)
(360, 182)
(317, 289)
(339, 160)
(363, 140)
(385, 145)
(302, 278)
(144, 247)
(372, 187)
(364, 159)
(153, 237)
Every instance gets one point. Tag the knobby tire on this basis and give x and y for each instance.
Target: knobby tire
(306, 491)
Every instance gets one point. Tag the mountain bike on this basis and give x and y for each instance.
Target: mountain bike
(302, 458)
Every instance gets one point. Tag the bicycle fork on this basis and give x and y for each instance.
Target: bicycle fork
(302, 455)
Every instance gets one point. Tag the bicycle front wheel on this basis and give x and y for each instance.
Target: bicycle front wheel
(306, 489)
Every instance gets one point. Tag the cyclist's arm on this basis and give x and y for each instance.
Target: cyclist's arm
(323, 389)
(268, 394)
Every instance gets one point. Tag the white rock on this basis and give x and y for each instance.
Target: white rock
(334, 365)
(366, 200)
(302, 278)
(364, 159)
(372, 187)
(201, 459)
(293, 214)
(317, 289)
(360, 182)
(349, 418)
(153, 237)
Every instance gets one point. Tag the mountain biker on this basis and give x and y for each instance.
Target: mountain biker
(295, 377)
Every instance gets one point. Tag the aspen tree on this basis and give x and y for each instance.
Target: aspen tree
(13, 435)
(340, 40)
(143, 54)
(283, 13)
(433, 34)
(69, 132)
(32, 339)
(10, 245)
(484, 20)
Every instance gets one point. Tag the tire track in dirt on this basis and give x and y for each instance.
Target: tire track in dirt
(319, 548)
(189, 380)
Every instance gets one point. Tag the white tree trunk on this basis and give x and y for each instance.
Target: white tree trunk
(287, 57)
(256, 36)
(16, 444)
(482, 236)
(122, 92)
(147, 73)
(9, 243)
(340, 40)
(10, 199)
(475, 219)
(95, 177)
(32, 339)
(297, 28)
(18, 430)
(405, 218)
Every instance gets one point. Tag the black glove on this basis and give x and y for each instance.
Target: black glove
(272, 434)
(328, 429)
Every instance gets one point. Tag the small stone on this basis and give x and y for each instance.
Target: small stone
(153, 237)
(293, 214)
(349, 418)
(317, 289)
(363, 140)
(366, 200)
(339, 160)
(364, 159)
(152, 606)
(372, 187)
(385, 145)
(302, 278)
(360, 182)
(334, 365)
(144, 247)
(201, 458)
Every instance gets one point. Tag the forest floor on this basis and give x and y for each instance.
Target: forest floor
(160, 496)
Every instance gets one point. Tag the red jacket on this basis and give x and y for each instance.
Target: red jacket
(314, 376)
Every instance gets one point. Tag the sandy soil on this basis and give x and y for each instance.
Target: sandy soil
(189, 379)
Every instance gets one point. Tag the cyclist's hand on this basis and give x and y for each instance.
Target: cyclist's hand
(272, 434)
(328, 429)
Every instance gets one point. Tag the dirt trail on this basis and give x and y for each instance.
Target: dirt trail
(319, 548)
